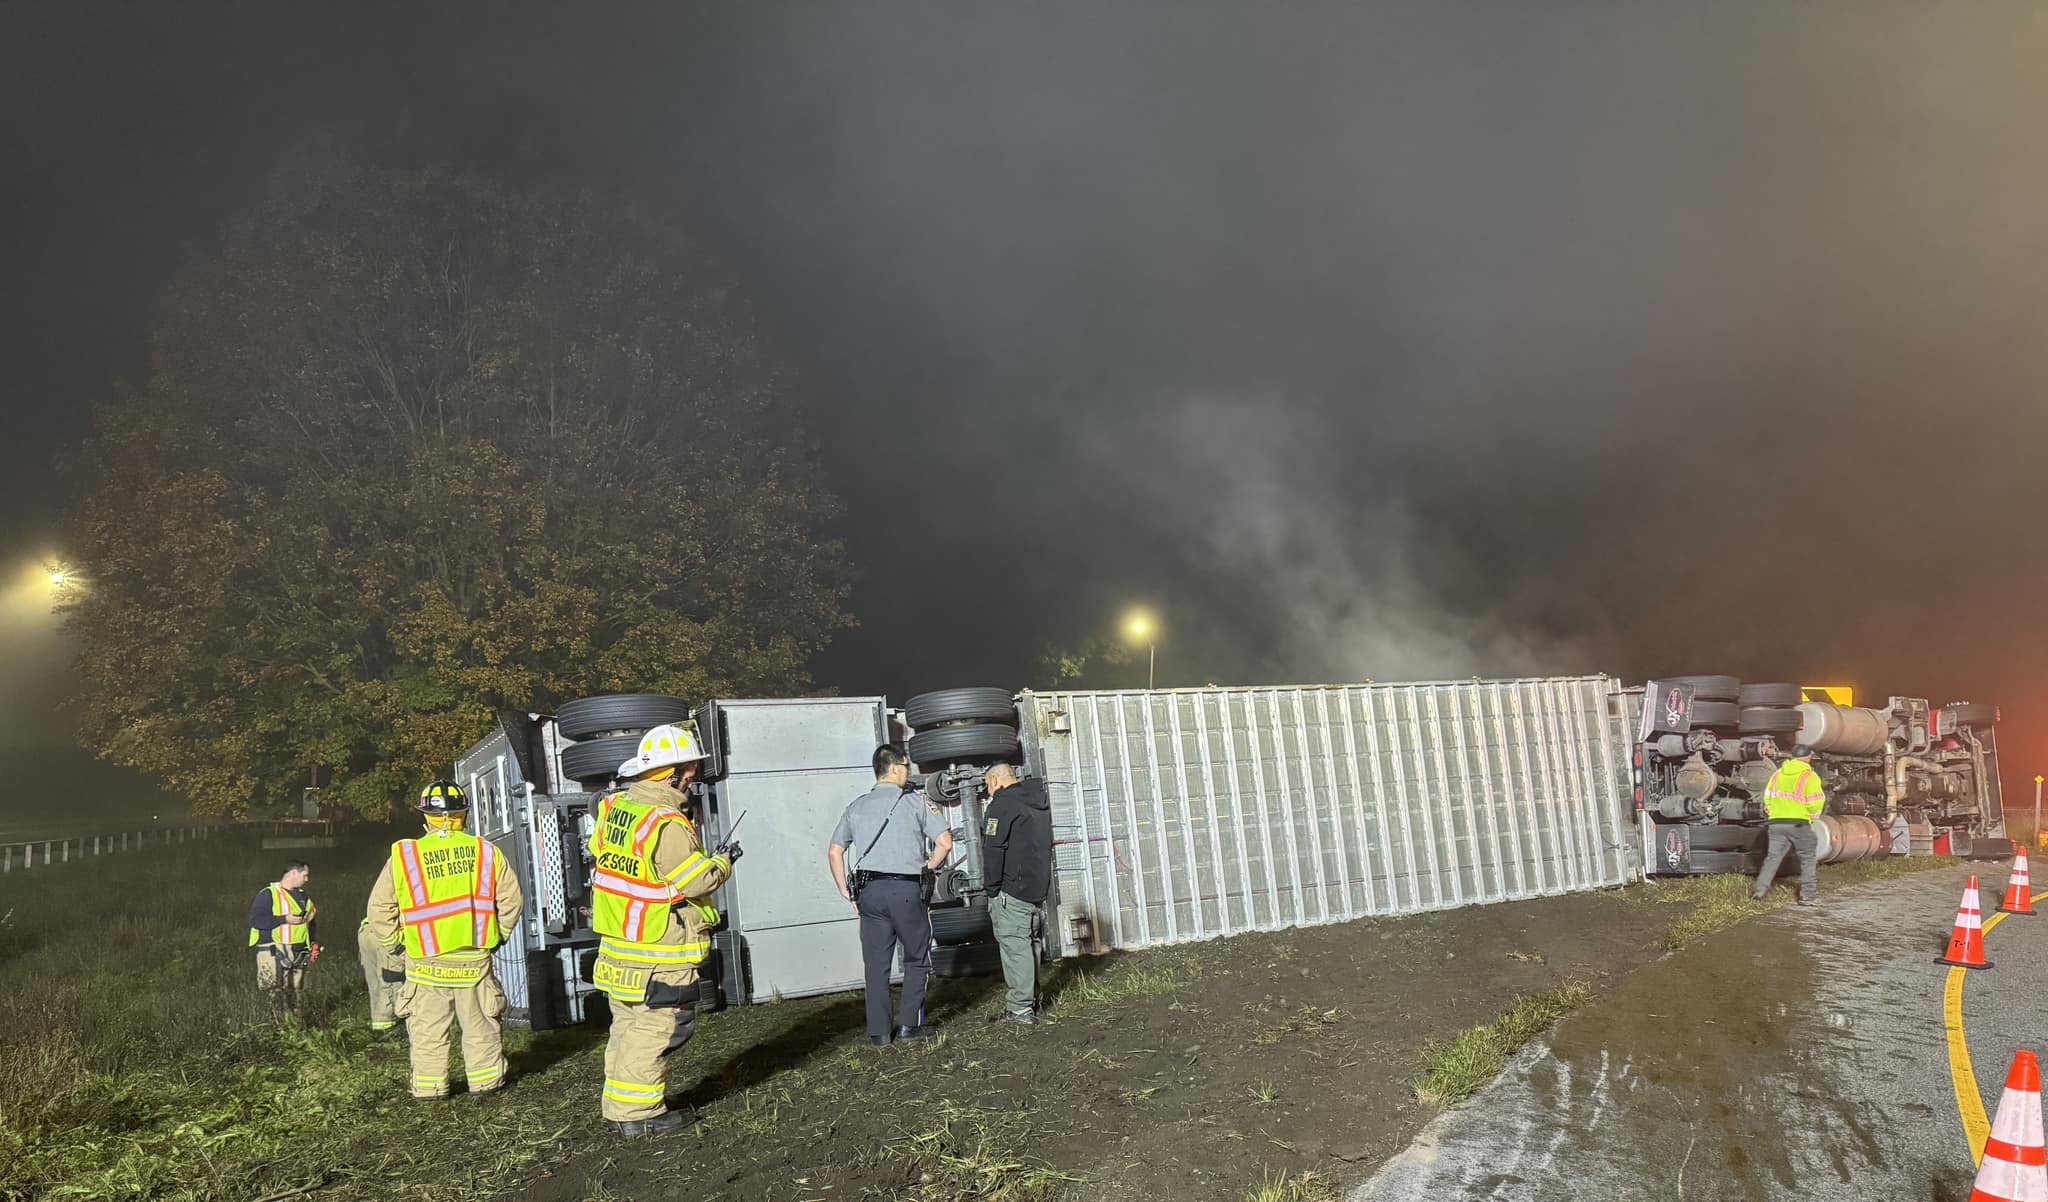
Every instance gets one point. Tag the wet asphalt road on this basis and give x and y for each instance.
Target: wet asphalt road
(1801, 1056)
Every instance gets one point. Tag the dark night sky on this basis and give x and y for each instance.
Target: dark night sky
(1360, 340)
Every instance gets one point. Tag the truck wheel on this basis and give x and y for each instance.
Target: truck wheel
(967, 960)
(1711, 688)
(1717, 714)
(1968, 713)
(1773, 695)
(960, 705)
(616, 713)
(949, 743)
(1764, 720)
(953, 925)
(596, 761)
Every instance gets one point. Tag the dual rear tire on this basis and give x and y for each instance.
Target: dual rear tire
(962, 726)
(607, 730)
(1726, 705)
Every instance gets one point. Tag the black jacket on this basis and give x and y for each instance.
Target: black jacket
(1016, 842)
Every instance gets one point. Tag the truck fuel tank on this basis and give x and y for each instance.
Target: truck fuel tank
(1842, 729)
(1848, 838)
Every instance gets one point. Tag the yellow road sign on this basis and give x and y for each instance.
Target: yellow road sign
(1840, 694)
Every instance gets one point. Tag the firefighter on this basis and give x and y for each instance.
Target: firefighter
(383, 992)
(650, 891)
(1792, 800)
(446, 900)
(281, 932)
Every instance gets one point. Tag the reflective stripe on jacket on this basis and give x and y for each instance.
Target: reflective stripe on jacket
(447, 894)
(1795, 793)
(651, 914)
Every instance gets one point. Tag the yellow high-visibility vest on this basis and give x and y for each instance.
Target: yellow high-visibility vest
(631, 905)
(283, 904)
(1794, 793)
(447, 893)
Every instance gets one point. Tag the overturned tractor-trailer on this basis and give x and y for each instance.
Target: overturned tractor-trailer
(1187, 814)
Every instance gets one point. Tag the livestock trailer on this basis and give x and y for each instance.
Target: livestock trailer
(1178, 814)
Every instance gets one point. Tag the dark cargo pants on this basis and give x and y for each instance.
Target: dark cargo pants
(1784, 837)
(892, 913)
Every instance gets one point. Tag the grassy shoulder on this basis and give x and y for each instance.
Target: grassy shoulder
(139, 1060)
(1712, 903)
(1456, 1068)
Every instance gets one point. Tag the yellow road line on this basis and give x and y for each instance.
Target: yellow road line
(1969, 1099)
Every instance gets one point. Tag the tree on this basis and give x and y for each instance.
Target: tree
(1089, 665)
(414, 447)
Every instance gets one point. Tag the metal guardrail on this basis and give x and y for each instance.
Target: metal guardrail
(51, 852)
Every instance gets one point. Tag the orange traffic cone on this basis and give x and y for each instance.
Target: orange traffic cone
(1966, 946)
(2019, 898)
(2015, 1164)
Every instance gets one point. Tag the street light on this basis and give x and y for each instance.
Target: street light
(1142, 629)
(60, 577)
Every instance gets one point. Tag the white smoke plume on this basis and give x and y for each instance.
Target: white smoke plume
(1345, 574)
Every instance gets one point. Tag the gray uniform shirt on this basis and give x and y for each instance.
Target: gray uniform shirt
(903, 846)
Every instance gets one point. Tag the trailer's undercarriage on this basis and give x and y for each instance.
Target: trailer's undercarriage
(1904, 778)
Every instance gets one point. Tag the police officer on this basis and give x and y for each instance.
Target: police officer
(889, 828)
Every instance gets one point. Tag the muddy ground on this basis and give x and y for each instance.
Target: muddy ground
(1193, 1073)
(1801, 1057)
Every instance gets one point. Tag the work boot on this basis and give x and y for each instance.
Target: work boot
(1809, 901)
(880, 1041)
(913, 1034)
(660, 1124)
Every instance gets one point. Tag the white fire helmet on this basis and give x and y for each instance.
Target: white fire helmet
(660, 747)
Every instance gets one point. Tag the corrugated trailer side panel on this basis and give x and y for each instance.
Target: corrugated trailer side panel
(1190, 814)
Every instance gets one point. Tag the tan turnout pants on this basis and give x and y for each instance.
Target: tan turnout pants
(637, 1051)
(383, 993)
(281, 984)
(431, 1013)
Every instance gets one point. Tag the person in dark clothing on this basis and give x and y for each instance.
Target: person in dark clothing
(281, 932)
(1016, 857)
